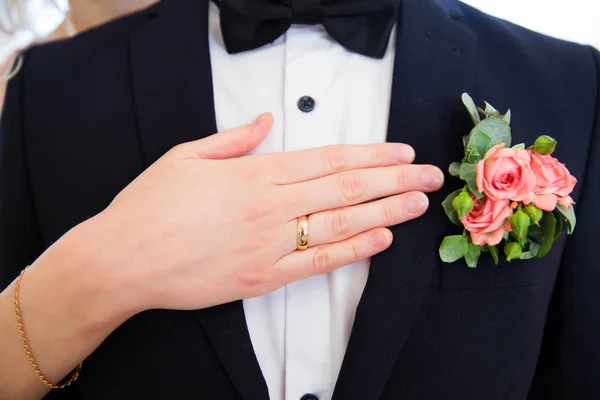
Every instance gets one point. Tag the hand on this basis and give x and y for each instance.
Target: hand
(201, 228)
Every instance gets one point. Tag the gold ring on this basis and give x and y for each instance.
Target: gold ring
(302, 233)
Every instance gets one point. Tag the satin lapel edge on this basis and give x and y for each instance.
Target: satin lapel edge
(435, 63)
(173, 94)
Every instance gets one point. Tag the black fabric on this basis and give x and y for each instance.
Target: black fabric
(362, 26)
(85, 116)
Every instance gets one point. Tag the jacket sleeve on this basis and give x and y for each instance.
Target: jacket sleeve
(569, 365)
(20, 241)
(20, 237)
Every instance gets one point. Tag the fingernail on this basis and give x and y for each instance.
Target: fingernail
(432, 177)
(406, 154)
(382, 240)
(416, 203)
(261, 118)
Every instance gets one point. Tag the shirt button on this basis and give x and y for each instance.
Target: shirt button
(306, 104)
(309, 396)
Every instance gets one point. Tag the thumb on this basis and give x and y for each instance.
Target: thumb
(233, 143)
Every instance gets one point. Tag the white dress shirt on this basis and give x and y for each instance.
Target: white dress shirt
(300, 332)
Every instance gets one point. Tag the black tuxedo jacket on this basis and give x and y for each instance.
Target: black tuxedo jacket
(87, 115)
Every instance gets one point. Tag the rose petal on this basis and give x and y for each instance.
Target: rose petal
(490, 239)
(566, 201)
(495, 237)
(546, 202)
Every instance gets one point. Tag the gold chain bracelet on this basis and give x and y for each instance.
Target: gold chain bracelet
(27, 349)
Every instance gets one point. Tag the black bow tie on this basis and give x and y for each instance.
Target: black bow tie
(361, 26)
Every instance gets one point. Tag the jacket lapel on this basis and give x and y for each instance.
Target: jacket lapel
(173, 94)
(172, 78)
(435, 63)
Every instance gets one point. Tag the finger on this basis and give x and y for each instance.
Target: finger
(311, 164)
(328, 257)
(233, 143)
(337, 225)
(355, 187)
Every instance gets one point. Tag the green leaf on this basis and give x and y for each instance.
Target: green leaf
(558, 229)
(490, 111)
(535, 233)
(454, 169)
(520, 146)
(494, 252)
(559, 225)
(479, 143)
(531, 252)
(472, 156)
(547, 226)
(472, 256)
(468, 173)
(569, 216)
(453, 248)
(507, 117)
(488, 133)
(449, 208)
(471, 107)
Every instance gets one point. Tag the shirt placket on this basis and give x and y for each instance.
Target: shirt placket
(307, 327)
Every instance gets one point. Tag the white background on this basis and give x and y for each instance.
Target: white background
(574, 20)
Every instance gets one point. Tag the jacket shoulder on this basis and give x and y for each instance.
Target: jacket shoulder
(59, 59)
(533, 67)
(508, 39)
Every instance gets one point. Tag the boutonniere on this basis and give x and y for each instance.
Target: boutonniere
(514, 197)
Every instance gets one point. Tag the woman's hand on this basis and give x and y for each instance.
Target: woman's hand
(201, 228)
(204, 226)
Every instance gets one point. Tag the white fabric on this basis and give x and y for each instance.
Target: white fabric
(300, 333)
(30, 20)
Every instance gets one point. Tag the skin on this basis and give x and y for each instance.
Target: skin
(177, 238)
(87, 14)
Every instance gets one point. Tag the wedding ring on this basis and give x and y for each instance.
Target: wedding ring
(302, 233)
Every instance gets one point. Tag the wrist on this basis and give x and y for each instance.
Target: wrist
(80, 265)
(69, 303)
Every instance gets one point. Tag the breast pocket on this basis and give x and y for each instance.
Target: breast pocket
(514, 274)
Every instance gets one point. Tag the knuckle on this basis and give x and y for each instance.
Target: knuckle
(381, 155)
(254, 279)
(340, 224)
(402, 178)
(352, 186)
(334, 160)
(356, 250)
(389, 213)
(321, 262)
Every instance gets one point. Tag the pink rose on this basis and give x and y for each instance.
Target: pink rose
(554, 182)
(488, 220)
(505, 174)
